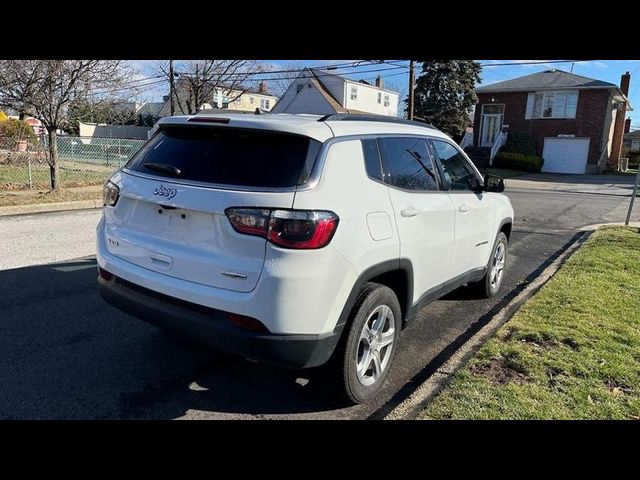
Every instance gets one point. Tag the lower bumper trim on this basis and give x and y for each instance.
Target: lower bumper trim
(212, 327)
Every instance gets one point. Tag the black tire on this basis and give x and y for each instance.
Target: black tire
(484, 287)
(372, 297)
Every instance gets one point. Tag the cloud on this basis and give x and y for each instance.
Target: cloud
(593, 63)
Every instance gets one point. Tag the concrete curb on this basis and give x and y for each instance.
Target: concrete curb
(411, 407)
(49, 207)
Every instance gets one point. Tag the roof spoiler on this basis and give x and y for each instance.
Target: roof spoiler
(347, 117)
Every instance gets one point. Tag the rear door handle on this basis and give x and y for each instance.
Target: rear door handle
(463, 208)
(410, 212)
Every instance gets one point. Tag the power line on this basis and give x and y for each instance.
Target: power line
(132, 86)
(533, 62)
(321, 74)
(120, 89)
(333, 66)
(504, 64)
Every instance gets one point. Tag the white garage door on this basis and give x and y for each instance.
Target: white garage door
(565, 155)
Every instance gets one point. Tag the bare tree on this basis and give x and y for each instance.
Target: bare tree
(44, 89)
(401, 90)
(199, 79)
(280, 81)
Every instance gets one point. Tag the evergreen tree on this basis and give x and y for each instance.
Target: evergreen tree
(445, 94)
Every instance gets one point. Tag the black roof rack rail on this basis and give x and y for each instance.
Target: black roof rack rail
(346, 117)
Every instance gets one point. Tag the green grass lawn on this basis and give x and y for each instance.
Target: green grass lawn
(503, 172)
(572, 351)
(71, 174)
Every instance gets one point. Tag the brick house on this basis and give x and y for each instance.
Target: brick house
(576, 122)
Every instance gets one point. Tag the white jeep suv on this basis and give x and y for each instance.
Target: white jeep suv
(299, 239)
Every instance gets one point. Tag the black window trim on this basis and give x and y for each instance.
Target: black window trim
(374, 179)
(385, 174)
(441, 168)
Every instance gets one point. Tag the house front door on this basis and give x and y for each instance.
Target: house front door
(491, 124)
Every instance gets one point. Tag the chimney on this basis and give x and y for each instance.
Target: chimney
(624, 83)
(379, 81)
(619, 125)
(262, 87)
(627, 125)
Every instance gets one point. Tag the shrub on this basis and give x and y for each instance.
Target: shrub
(3, 117)
(16, 130)
(518, 161)
(519, 142)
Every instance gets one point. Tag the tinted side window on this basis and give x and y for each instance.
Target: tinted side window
(457, 171)
(408, 164)
(372, 158)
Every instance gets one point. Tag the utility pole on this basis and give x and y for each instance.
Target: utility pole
(412, 83)
(171, 88)
(633, 197)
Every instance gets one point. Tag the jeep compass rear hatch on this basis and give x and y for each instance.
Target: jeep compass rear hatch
(170, 216)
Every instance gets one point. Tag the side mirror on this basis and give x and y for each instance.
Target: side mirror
(493, 183)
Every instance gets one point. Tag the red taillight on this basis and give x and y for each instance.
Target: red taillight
(299, 229)
(104, 274)
(248, 323)
(252, 221)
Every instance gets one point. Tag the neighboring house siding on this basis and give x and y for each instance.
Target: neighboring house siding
(367, 100)
(112, 131)
(243, 102)
(308, 100)
(594, 107)
(289, 95)
(334, 84)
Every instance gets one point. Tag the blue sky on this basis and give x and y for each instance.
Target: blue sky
(394, 73)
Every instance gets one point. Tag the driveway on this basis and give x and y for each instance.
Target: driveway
(66, 354)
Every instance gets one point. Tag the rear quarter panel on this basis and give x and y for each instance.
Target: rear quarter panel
(366, 234)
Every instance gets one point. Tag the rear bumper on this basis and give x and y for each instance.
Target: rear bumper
(212, 327)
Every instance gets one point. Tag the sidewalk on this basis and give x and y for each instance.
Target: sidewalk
(590, 184)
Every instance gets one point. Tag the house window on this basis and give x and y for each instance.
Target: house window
(492, 109)
(354, 93)
(299, 87)
(555, 105)
(219, 100)
(379, 97)
(386, 100)
(264, 103)
(251, 100)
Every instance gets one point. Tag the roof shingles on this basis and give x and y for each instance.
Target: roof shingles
(549, 79)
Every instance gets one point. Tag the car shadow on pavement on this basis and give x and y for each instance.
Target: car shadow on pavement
(65, 353)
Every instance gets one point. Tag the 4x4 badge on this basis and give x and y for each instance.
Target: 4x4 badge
(165, 191)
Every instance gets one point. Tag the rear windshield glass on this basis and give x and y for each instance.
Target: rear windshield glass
(227, 156)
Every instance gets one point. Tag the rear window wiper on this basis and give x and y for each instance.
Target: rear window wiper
(163, 168)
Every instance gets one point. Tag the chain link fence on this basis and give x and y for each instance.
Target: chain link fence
(82, 161)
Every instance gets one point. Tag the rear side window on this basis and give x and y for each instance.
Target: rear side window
(372, 158)
(227, 156)
(457, 171)
(407, 164)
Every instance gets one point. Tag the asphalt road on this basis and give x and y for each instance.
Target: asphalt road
(65, 354)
